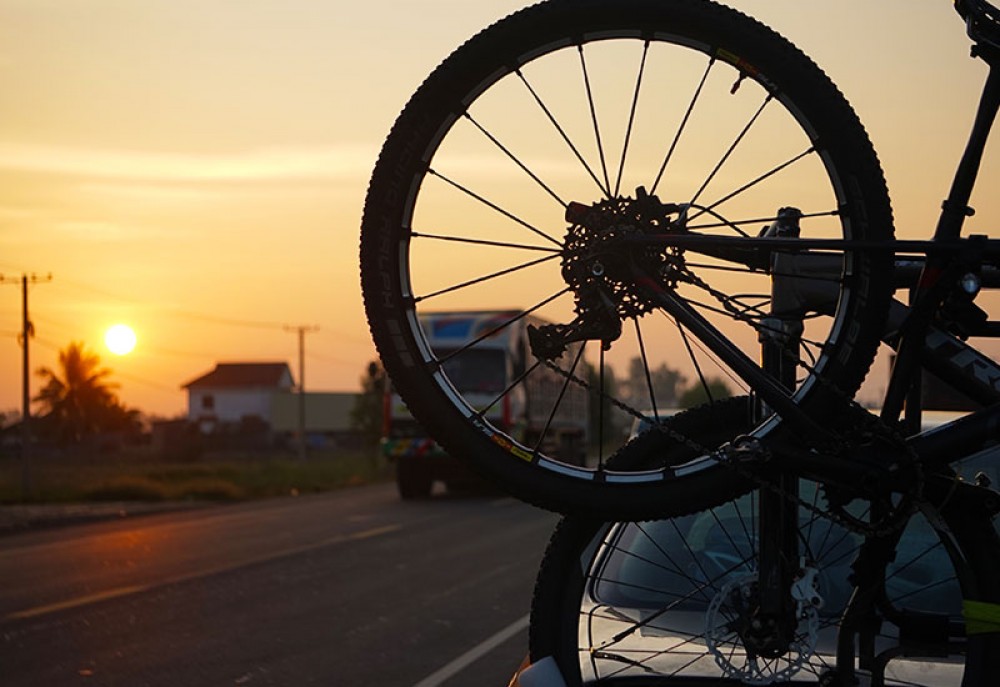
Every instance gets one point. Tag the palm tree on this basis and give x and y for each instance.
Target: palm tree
(78, 400)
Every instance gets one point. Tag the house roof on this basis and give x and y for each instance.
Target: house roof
(243, 375)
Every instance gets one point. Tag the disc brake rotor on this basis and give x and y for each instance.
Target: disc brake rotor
(732, 630)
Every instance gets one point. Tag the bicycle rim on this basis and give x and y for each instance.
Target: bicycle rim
(516, 184)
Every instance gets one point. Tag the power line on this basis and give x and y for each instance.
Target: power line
(231, 322)
(145, 382)
(51, 345)
(47, 322)
(257, 324)
(206, 317)
(209, 318)
(330, 359)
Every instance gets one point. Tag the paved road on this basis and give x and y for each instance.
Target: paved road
(350, 588)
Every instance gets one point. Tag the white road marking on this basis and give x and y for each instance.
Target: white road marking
(475, 653)
(204, 572)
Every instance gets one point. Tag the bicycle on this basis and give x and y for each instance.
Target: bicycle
(580, 234)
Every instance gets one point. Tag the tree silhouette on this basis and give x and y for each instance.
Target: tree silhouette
(713, 389)
(665, 381)
(366, 414)
(78, 400)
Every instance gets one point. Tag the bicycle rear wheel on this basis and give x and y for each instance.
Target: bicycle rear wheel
(599, 171)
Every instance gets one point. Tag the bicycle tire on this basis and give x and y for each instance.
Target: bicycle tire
(411, 197)
(590, 566)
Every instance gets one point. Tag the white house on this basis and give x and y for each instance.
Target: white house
(235, 391)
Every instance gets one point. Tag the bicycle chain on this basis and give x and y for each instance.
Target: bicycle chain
(882, 430)
(850, 524)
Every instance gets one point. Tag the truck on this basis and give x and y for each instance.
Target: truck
(482, 373)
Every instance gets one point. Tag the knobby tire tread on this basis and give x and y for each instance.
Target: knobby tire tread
(424, 120)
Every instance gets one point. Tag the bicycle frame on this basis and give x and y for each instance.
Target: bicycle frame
(932, 278)
(920, 343)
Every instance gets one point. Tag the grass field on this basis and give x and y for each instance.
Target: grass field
(139, 477)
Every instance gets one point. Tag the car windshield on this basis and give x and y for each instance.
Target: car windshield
(678, 563)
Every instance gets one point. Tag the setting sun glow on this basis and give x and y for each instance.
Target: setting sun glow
(120, 339)
(145, 167)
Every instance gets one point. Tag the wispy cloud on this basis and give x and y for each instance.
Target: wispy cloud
(261, 164)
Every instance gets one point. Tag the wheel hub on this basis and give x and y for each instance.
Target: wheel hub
(597, 256)
(603, 267)
(745, 642)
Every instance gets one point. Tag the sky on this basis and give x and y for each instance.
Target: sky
(197, 169)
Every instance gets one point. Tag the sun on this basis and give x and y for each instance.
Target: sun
(120, 339)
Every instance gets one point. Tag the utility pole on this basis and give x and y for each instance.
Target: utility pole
(27, 331)
(302, 330)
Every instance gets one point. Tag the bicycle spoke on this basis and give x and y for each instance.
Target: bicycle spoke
(737, 310)
(729, 151)
(484, 242)
(673, 651)
(593, 118)
(689, 550)
(499, 328)
(510, 387)
(806, 537)
(718, 364)
(485, 278)
(924, 589)
(725, 530)
(494, 206)
(682, 127)
(600, 413)
(747, 313)
(774, 273)
(694, 360)
(663, 552)
(645, 368)
(562, 133)
(515, 160)
(898, 571)
(751, 184)
(675, 597)
(631, 117)
(757, 221)
(558, 401)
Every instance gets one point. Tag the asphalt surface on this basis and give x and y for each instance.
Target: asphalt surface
(349, 588)
(20, 518)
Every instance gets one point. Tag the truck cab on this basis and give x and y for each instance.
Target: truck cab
(490, 374)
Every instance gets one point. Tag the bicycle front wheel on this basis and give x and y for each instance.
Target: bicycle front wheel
(658, 603)
(672, 602)
(574, 196)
